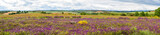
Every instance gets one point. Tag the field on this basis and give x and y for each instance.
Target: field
(65, 24)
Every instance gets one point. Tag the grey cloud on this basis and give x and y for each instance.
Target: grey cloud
(147, 2)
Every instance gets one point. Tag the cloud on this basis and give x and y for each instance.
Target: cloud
(78, 5)
(147, 2)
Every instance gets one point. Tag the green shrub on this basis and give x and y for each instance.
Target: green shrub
(147, 14)
(157, 12)
(43, 12)
(143, 32)
(94, 13)
(142, 13)
(4, 33)
(12, 13)
(123, 14)
(136, 14)
(83, 13)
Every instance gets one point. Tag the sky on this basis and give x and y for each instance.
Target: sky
(125, 5)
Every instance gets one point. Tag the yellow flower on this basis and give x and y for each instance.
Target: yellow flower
(83, 22)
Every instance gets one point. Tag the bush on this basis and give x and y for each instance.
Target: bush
(144, 32)
(147, 14)
(83, 13)
(94, 13)
(142, 13)
(123, 15)
(157, 12)
(12, 13)
(136, 14)
(43, 12)
(4, 33)
(62, 12)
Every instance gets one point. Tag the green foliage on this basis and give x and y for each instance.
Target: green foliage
(26, 12)
(19, 12)
(62, 12)
(143, 32)
(136, 14)
(22, 33)
(157, 12)
(4, 33)
(94, 13)
(1, 12)
(83, 13)
(43, 12)
(123, 14)
(147, 14)
(142, 13)
(12, 13)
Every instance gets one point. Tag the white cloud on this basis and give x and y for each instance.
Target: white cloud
(75, 5)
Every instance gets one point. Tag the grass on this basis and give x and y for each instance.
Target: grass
(83, 16)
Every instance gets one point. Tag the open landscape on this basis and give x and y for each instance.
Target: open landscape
(79, 17)
(79, 23)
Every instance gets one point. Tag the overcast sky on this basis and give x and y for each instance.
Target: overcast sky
(79, 4)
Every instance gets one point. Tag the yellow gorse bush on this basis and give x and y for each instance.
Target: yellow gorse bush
(83, 22)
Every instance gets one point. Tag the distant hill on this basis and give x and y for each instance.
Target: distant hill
(82, 10)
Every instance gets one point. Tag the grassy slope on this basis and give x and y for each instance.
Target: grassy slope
(83, 16)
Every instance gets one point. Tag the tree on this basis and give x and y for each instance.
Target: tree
(123, 14)
(157, 12)
(62, 12)
(147, 14)
(94, 13)
(83, 13)
(136, 13)
(18, 12)
(43, 12)
(142, 13)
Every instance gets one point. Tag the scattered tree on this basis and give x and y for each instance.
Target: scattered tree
(43, 12)
(142, 13)
(157, 12)
(123, 14)
(83, 13)
(62, 12)
(136, 13)
(147, 14)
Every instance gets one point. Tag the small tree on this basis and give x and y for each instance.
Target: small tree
(157, 12)
(136, 13)
(142, 13)
(147, 14)
(43, 12)
(62, 12)
(83, 13)
(123, 14)
(18, 12)
(94, 13)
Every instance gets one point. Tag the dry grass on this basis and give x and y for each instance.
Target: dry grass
(83, 16)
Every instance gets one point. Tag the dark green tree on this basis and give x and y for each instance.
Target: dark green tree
(136, 13)
(147, 14)
(18, 12)
(142, 13)
(83, 13)
(94, 13)
(25, 11)
(43, 12)
(123, 14)
(62, 12)
(157, 12)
